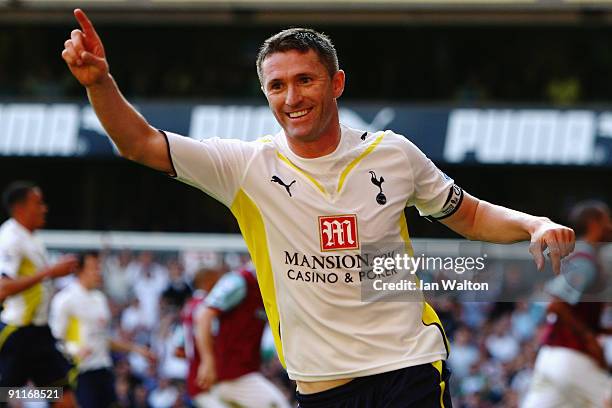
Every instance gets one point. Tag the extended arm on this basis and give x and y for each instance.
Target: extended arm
(125, 346)
(12, 286)
(132, 134)
(479, 220)
(204, 343)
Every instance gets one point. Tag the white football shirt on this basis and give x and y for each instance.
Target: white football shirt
(23, 254)
(305, 222)
(81, 319)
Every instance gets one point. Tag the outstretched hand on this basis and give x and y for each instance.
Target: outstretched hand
(559, 241)
(66, 265)
(84, 53)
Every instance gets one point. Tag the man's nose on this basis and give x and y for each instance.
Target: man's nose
(294, 96)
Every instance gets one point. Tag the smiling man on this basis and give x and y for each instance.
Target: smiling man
(307, 199)
(306, 108)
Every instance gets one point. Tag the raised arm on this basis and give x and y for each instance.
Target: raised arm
(479, 220)
(134, 137)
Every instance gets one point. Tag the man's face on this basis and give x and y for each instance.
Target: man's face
(146, 258)
(301, 94)
(33, 209)
(91, 274)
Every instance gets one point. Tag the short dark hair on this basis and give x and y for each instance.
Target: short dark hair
(302, 40)
(81, 258)
(16, 193)
(586, 211)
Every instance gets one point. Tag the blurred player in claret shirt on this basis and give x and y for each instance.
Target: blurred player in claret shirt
(27, 347)
(571, 370)
(203, 282)
(223, 342)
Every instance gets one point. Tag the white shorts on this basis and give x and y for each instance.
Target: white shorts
(563, 377)
(252, 390)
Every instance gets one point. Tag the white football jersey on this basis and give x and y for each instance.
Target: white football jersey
(23, 254)
(305, 222)
(81, 319)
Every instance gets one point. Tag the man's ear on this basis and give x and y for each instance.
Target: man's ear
(338, 81)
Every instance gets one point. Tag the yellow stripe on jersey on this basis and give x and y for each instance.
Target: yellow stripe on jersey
(359, 158)
(302, 172)
(31, 296)
(73, 330)
(438, 366)
(73, 337)
(5, 333)
(429, 315)
(403, 226)
(253, 230)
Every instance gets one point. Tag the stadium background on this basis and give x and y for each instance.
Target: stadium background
(425, 61)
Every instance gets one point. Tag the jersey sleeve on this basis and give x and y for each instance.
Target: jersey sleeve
(227, 293)
(215, 166)
(576, 276)
(10, 258)
(434, 192)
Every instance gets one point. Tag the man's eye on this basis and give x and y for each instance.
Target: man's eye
(305, 80)
(276, 86)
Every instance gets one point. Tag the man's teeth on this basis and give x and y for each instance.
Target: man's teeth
(297, 114)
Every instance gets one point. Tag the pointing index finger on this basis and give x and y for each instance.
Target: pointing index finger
(84, 22)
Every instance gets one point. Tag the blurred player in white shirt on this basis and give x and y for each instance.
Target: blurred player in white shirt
(27, 348)
(80, 317)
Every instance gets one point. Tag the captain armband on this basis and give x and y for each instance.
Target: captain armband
(451, 205)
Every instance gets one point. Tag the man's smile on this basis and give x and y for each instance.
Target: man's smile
(298, 114)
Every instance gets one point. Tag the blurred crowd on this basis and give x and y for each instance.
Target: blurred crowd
(146, 292)
(493, 344)
(494, 348)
